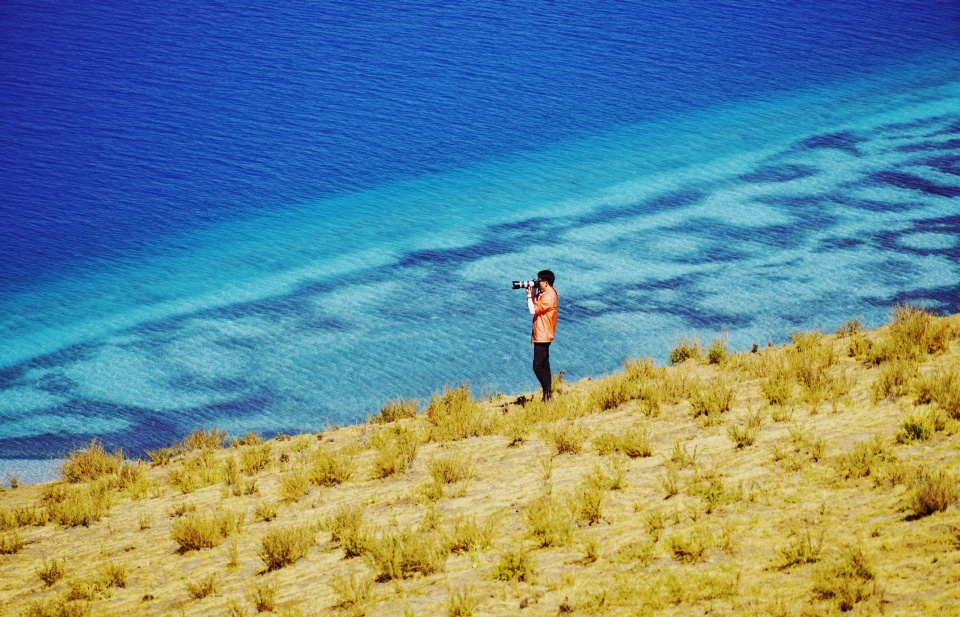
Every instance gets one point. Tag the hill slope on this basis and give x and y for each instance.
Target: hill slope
(808, 479)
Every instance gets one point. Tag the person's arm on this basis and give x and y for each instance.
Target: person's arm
(530, 306)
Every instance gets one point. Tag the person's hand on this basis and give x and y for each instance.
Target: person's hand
(529, 292)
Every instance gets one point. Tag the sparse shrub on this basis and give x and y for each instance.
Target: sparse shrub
(204, 586)
(51, 571)
(915, 333)
(802, 548)
(894, 379)
(114, 574)
(549, 522)
(57, 608)
(566, 437)
(850, 327)
(198, 531)
(941, 387)
(10, 543)
(182, 509)
(454, 415)
(587, 502)
(634, 442)
(450, 468)
(708, 485)
(743, 435)
(712, 399)
(612, 392)
(516, 565)
(396, 409)
(515, 426)
(681, 455)
(71, 506)
(250, 439)
(345, 525)
(90, 463)
(83, 589)
(461, 602)
(778, 385)
(396, 448)
(200, 439)
(263, 595)
(920, 425)
(162, 456)
(197, 471)
(255, 458)
(404, 552)
(351, 589)
(331, 467)
(655, 522)
(294, 485)
(285, 545)
(717, 351)
(670, 481)
(863, 459)
(847, 579)
(686, 350)
(691, 547)
(933, 492)
(467, 534)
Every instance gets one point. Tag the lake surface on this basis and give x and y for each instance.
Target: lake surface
(276, 218)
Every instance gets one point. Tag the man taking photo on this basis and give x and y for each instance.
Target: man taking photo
(543, 306)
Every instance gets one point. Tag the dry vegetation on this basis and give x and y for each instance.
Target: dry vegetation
(815, 478)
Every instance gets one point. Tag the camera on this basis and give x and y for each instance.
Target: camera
(526, 284)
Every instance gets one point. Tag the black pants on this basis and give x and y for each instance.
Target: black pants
(541, 367)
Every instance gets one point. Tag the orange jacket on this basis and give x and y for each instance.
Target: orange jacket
(545, 316)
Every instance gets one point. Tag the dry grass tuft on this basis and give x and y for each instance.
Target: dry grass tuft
(455, 415)
(72, 506)
(294, 485)
(717, 351)
(331, 467)
(745, 434)
(712, 399)
(11, 543)
(933, 492)
(346, 527)
(57, 608)
(113, 574)
(566, 437)
(516, 565)
(451, 468)
(802, 548)
(692, 546)
(864, 459)
(894, 379)
(686, 349)
(847, 579)
(352, 590)
(198, 531)
(402, 553)
(467, 534)
(778, 385)
(262, 595)
(51, 571)
(196, 471)
(942, 388)
(398, 409)
(634, 442)
(549, 522)
(396, 448)
(285, 546)
(206, 585)
(90, 463)
(201, 440)
(255, 458)
(920, 425)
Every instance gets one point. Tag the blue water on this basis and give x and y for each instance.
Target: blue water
(275, 218)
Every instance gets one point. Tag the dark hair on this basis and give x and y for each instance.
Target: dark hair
(546, 275)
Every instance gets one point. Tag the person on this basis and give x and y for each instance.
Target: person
(543, 306)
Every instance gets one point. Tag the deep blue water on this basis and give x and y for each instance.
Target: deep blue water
(277, 216)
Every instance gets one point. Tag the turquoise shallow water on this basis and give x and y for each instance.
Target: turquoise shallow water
(759, 218)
